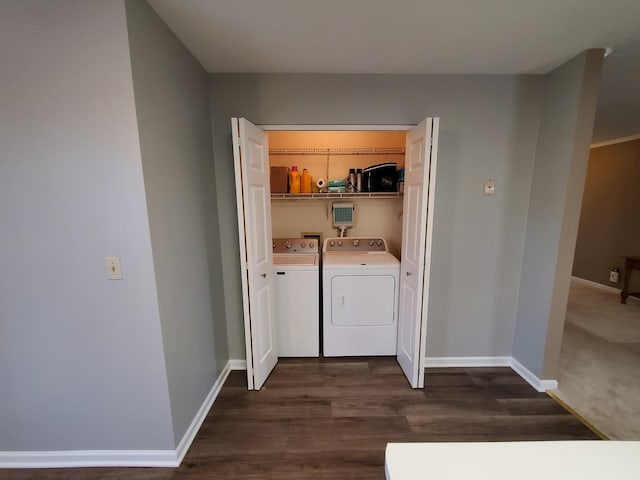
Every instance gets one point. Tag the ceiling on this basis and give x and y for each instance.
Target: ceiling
(420, 37)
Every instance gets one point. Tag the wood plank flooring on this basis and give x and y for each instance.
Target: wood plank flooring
(332, 418)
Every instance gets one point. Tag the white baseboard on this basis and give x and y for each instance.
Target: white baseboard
(533, 380)
(433, 362)
(238, 364)
(613, 142)
(89, 458)
(173, 458)
(190, 434)
(516, 366)
(597, 285)
(119, 458)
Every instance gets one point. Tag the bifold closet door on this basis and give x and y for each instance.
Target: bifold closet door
(417, 227)
(251, 157)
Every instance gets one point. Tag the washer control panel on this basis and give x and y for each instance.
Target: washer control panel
(359, 244)
(295, 245)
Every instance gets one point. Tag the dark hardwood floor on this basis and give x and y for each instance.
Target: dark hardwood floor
(332, 418)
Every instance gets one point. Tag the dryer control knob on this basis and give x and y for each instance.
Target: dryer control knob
(302, 245)
(332, 243)
(356, 243)
(287, 245)
(378, 242)
(371, 242)
(339, 243)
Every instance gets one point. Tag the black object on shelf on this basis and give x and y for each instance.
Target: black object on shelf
(379, 178)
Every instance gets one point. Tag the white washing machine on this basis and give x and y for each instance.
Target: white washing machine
(360, 282)
(297, 296)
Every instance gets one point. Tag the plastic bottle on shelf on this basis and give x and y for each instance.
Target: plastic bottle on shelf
(358, 180)
(351, 180)
(306, 181)
(294, 180)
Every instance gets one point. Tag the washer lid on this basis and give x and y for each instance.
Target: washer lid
(360, 260)
(295, 259)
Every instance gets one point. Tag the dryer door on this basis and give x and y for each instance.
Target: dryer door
(362, 300)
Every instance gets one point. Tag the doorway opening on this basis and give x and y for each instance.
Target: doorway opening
(263, 216)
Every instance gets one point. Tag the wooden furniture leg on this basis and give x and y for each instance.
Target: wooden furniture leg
(624, 294)
(631, 263)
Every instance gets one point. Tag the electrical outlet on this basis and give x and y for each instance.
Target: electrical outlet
(114, 271)
(614, 275)
(489, 187)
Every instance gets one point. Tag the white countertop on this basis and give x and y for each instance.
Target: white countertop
(581, 460)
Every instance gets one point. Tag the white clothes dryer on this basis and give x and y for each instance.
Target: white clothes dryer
(360, 282)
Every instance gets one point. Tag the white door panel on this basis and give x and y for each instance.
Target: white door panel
(405, 337)
(258, 218)
(263, 337)
(417, 198)
(251, 153)
(413, 194)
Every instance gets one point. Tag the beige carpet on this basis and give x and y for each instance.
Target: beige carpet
(599, 371)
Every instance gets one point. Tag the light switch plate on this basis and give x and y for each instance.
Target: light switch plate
(114, 271)
(489, 187)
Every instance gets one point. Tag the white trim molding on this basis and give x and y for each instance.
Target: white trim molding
(236, 364)
(442, 362)
(591, 283)
(89, 458)
(336, 127)
(173, 458)
(531, 378)
(617, 140)
(119, 458)
(192, 431)
(434, 362)
(516, 366)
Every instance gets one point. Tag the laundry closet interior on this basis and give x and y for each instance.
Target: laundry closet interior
(376, 214)
(341, 268)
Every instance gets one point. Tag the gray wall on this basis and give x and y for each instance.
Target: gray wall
(81, 360)
(566, 123)
(171, 96)
(610, 219)
(488, 130)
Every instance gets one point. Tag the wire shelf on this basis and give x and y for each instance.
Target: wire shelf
(336, 151)
(321, 196)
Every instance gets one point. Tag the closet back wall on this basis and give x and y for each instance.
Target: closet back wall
(335, 165)
(373, 218)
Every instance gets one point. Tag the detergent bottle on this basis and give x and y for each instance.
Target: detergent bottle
(294, 180)
(306, 181)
